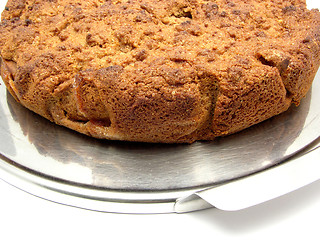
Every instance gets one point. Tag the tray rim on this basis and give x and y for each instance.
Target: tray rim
(106, 200)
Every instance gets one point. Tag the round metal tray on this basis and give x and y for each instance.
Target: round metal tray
(61, 165)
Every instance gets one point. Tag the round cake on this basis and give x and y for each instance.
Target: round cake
(173, 71)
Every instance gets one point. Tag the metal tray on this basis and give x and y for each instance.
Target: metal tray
(61, 165)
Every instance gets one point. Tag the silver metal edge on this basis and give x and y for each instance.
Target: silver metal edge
(103, 200)
(106, 200)
(212, 196)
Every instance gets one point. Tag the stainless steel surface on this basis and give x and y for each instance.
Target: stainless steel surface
(298, 171)
(58, 164)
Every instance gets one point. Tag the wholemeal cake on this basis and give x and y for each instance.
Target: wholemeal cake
(169, 71)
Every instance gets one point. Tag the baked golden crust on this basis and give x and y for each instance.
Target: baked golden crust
(159, 71)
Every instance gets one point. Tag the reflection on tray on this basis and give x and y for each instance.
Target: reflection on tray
(141, 166)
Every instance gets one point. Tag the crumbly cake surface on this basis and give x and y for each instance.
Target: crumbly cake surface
(159, 71)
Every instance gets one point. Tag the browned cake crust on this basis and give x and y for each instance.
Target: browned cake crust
(159, 71)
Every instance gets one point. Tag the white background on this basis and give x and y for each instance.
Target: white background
(293, 216)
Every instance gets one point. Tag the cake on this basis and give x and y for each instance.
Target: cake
(173, 71)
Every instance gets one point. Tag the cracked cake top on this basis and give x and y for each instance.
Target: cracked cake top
(158, 71)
